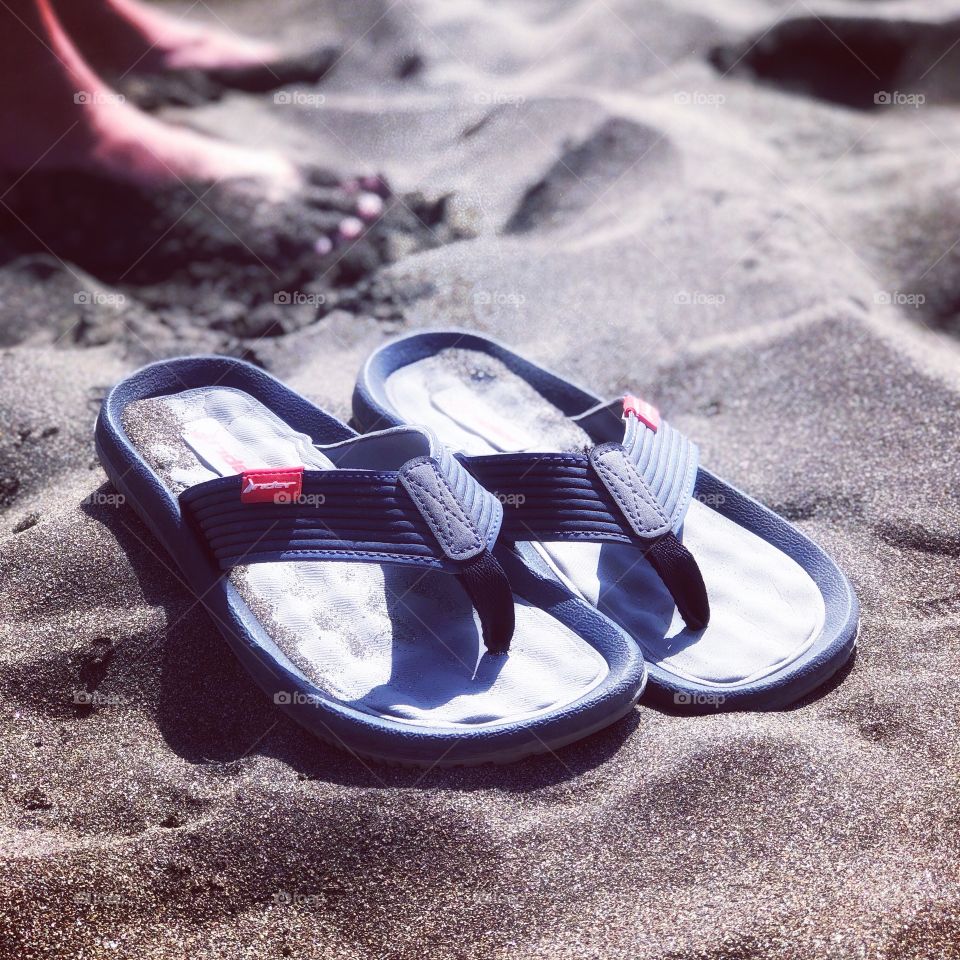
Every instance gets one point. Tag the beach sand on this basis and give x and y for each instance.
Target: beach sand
(701, 202)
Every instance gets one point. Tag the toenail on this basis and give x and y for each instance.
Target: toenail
(351, 228)
(369, 206)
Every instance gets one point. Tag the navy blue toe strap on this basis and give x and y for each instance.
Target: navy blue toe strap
(486, 582)
(679, 572)
(637, 491)
(430, 514)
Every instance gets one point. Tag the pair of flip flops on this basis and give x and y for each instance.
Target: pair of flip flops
(493, 569)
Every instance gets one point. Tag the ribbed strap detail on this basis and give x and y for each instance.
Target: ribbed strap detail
(668, 462)
(431, 513)
(340, 514)
(636, 492)
(561, 496)
(484, 509)
(463, 517)
(551, 496)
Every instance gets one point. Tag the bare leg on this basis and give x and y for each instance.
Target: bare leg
(122, 36)
(57, 114)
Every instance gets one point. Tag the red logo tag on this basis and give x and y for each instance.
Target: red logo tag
(275, 485)
(645, 412)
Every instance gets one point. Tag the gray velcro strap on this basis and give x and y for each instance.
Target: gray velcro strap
(626, 485)
(464, 518)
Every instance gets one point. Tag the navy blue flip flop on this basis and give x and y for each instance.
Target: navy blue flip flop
(359, 578)
(732, 606)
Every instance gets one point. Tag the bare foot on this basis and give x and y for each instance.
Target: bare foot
(158, 60)
(62, 116)
(123, 36)
(109, 183)
(134, 146)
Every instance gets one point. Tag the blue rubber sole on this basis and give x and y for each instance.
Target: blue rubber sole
(828, 654)
(363, 735)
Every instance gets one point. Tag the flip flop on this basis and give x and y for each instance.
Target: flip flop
(358, 578)
(732, 606)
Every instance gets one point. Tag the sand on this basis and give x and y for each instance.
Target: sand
(701, 202)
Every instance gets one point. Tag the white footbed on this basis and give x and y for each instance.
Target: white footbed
(390, 641)
(765, 610)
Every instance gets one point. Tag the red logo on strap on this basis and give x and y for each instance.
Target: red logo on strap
(645, 412)
(276, 485)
